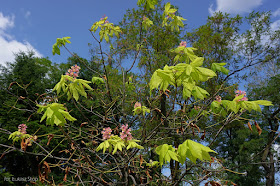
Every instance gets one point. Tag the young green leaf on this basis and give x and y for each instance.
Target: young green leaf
(219, 67)
(199, 93)
(166, 153)
(59, 43)
(263, 102)
(17, 136)
(55, 114)
(193, 151)
(153, 164)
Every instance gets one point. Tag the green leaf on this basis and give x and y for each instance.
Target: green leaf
(140, 2)
(55, 114)
(167, 7)
(182, 152)
(219, 67)
(206, 72)
(142, 109)
(74, 88)
(59, 43)
(238, 97)
(199, 93)
(188, 70)
(147, 23)
(17, 136)
(197, 62)
(101, 146)
(195, 151)
(74, 92)
(263, 102)
(193, 57)
(166, 153)
(55, 49)
(153, 164)
(97, 80)
(118, 146)
(250, 105)
(231, 105)
(106, 38)
(155, 81)
(188, 86)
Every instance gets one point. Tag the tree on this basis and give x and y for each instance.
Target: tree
(270, 122)
(132, 145)
(23, 83)
(220, 40)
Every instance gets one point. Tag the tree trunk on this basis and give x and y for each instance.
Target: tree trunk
(270, 178)
(268, 155)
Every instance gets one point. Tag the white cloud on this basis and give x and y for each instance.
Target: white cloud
(6, 22)
(275, 25)
(27, 14)
(235, 6)
(276, 13)
(8, 45)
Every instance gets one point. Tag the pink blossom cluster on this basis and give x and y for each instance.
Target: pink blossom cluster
(137, 104)
(106, 133)
(183, 44)
(238, 93)
(218, 98)
(196, 107)
(73, 71)
(22, 128)
(125, 134)
(106, 21)
(144, 18)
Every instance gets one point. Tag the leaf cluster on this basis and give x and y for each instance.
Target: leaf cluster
(188, 149)
(59, 43)
(141, 110)
(186, 75)
(237, 105)
(17, 136)
(107, 29)
(170, 19)
(73, 87)
(116, 143)
(55, 113)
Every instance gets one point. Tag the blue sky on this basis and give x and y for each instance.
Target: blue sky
(36, 24)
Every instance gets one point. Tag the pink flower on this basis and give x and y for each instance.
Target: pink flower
(196, 107)
(137, 104)
(73, 71)
(183, 44)
(22, 128)
(218, 98)
(125, 134)
(244, 99)
(238, 93)
(106, 133)
(104, 18)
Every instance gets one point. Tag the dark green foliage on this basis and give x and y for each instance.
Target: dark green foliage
(22, 82)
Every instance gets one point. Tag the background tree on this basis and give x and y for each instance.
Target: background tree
(220, 40)
(24, 83)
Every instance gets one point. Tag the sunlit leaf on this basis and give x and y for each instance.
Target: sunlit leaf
(55, 114)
